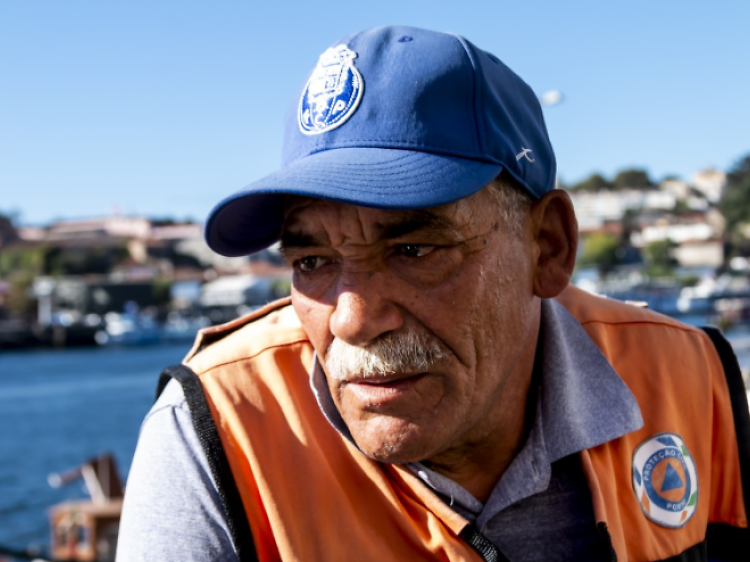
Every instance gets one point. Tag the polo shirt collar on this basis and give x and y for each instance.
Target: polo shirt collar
(583, 401)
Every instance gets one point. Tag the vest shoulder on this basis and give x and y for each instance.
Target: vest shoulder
(588, 308)
(274, 325)
(646, 348)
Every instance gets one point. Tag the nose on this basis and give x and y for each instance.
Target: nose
(364, 311)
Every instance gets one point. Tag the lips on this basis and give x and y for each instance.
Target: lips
(382, 380)
(380, 391)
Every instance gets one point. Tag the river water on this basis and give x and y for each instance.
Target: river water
(58, 408)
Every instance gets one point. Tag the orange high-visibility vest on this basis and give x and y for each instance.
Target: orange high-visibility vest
(309, 495)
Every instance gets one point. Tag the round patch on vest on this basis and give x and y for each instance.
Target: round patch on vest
(332, 94)
(665, 480)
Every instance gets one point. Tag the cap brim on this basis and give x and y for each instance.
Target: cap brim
(251, 219)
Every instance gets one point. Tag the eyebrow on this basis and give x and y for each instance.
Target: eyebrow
(410, 222)
(416, 221)
(298, 239)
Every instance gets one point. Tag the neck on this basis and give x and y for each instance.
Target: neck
(478, 465)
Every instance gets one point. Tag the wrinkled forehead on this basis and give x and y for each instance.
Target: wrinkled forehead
(309, 215)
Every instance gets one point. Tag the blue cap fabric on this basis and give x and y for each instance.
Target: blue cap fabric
(395, 118)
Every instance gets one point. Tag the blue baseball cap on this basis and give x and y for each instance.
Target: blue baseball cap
(394, 118)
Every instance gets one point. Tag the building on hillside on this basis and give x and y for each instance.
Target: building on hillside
(700, 253)
(677, 233)
(613, 228)
(698, 237)
(115, 226)
(679, 188)
(148, 248)
(226, 297)
(595, 208)
(196, 248)
(679, 228)
(711, 183)
(77, 297)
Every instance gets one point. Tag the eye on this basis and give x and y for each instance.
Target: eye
(309, 263)
(415, 250)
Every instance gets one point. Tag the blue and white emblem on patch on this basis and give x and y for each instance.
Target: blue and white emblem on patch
(333, 92)
(665, 480)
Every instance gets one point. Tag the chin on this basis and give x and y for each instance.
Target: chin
(393, 457)
(391, 449)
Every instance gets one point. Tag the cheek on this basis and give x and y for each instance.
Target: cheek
(489, 307)
(427, 272)
(315, 319)
(316, 285)
(335, 387)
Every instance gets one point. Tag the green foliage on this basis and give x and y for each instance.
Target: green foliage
(594, 182)
(7, 230)
(631, 178)
(601, 251)
(630, 222)
(625, 179)
(19, 301)
(162, 291)
(659, 257)
(735, 203)
(14, 260)
(689, 280)
(681, 207)
(80, 261)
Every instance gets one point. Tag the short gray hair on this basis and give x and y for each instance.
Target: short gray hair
(512, 200)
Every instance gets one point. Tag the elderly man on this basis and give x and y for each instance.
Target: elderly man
(434, 390)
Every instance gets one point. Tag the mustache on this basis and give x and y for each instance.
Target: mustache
(408, 351)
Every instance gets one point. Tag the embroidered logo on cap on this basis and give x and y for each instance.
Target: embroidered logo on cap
(333, 92)
(665, 480)
(524, 154)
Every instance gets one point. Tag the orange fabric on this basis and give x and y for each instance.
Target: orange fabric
(310, 495)
(677, 379)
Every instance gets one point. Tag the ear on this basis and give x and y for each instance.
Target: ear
(555, 232)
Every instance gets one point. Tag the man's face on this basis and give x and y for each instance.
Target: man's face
(453, 279)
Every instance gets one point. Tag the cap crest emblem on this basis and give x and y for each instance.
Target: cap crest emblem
(333, 92)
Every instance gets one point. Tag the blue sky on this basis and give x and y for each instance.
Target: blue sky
(163, 107)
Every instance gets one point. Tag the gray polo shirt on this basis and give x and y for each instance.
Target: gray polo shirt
(539, 510)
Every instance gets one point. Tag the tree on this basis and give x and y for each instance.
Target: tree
(60, 260)
(659, 257)
(632, 178)
(735, 203)
(681, 207)
(7, 230)
(600, 250)
(18, 301)
(594, 182)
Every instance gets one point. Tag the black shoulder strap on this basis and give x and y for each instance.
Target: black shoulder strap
(481, 544)
(205, 427)
(738, 396)
(725, 542)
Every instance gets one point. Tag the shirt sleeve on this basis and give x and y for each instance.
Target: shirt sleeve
(172, 509)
